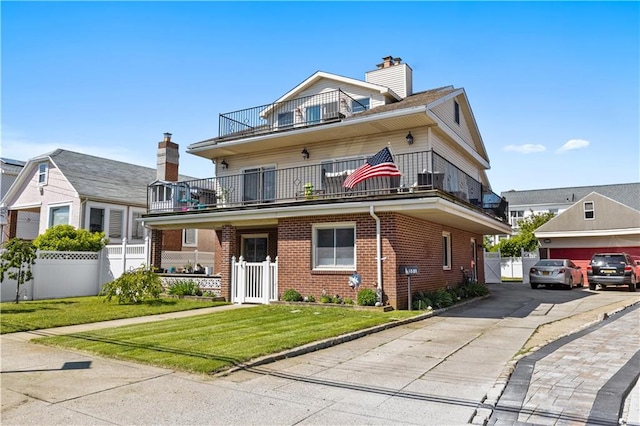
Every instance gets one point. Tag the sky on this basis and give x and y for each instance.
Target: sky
(553, 86)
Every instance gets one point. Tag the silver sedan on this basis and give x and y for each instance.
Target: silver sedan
(549, 272)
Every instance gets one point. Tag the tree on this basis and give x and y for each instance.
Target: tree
(68, 238)
(525, 238)
(16, 261)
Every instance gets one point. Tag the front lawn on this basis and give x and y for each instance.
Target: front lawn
(217, 341)
(39, 314)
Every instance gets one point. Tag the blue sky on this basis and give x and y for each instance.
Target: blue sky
(554, 86)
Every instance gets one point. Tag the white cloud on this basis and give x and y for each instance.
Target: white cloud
(573, 144)
(527, 148)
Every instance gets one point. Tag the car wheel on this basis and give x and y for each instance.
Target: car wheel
(632, 285)
(581, 283)
(570, 286)
(534, 286)
(592, 286)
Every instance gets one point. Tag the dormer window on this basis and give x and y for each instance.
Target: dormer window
(358, 105)
(589, 210)
(43, 173)
(456, 112)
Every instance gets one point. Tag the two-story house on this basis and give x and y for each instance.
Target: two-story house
(286, 188)
(94, 193)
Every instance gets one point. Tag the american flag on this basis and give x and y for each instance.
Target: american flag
(380, 164)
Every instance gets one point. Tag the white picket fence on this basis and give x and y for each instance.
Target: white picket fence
(73, 274)
(254, 282)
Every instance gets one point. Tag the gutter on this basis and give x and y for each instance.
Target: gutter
(379, 258)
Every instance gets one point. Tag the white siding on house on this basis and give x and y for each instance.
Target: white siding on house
(398, 78)
(445, 112)
(460, 160)
(28, 225)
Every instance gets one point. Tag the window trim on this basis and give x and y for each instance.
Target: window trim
(314, 240)
(133, 225)
(55, 206)
(446, 250)
(591, 210)
(44, 174)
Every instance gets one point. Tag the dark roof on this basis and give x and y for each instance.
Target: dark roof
(10, 165)
(104, 179)
(417, 99)
(624, 193)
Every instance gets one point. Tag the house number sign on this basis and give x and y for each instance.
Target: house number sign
(409, 270)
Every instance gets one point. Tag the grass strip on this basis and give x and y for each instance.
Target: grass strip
(40, 314)
(214, 342)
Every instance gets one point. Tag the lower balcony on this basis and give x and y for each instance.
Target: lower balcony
(422, 173)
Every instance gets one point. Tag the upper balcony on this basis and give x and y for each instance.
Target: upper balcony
(314, 110)
(423, 173)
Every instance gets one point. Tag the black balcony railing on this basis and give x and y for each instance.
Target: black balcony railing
(312, 110)
(421, 171)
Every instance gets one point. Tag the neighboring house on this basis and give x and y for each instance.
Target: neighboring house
(279, 190)
(9, 170)
(594, 223)
(556, 200)
(88, 192)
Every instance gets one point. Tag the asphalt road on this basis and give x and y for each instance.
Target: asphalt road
(448, 369)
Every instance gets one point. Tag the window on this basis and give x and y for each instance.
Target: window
(334, 246)
(589, 210)
(162, 193)
(43, 174)
(116, 222)
(137, 230)
(456, 112)
(313, 114)
(446, 250)
(285, 119)
(515, 216)
(96, 220)
(358, 105)
(259, 185)
(190, 237)
(59, 215)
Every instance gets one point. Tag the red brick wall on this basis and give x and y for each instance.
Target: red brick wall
(405, 241)
(172, 240)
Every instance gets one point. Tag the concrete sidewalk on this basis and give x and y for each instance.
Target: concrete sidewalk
(441, 370)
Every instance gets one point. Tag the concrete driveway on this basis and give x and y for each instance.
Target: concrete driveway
(436, 371)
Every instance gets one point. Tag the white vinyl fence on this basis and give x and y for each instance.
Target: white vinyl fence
(73, 274)
(254, 282)
(496, 267)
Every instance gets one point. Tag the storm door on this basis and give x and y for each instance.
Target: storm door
(255, 248)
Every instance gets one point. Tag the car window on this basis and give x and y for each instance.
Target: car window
(611, 260)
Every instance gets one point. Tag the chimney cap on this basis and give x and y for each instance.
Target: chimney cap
(389, 61)
(167, 137)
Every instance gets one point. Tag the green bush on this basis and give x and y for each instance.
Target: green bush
(291, 295)
(310, 298)
(184, 288)
(325, 299)
(367, 297)
(68, 238)
(441, 299)
(347, 301)
(336, 299)
(420, 301)
(134, 286)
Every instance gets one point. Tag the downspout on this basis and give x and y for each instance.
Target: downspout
(378, 256)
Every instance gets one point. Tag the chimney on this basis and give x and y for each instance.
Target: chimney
(395, 75)
(168, 155)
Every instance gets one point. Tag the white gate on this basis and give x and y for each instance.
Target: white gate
(492, 267)
(529, 258)
(254, 282)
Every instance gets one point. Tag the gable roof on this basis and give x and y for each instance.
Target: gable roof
(11, 166)
(610, 217)
(624, 193)
(98, 178)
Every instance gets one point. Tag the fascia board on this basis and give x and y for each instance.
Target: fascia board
(275, 213)
(590, 233)
(483, 161)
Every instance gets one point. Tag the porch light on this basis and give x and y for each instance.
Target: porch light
(305, 153)
(224, 164)
(409, 139)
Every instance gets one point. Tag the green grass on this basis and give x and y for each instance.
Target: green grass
(217, 341)
(35, 315)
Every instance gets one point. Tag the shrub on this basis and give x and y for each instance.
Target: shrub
(476, 290)
(367, 297)
(134, 286)
(310, 298)
(420, 301)
(184, 288)
(336, 299)
(291, 295)
(325, 299)
(441, 299)
(68, 238)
